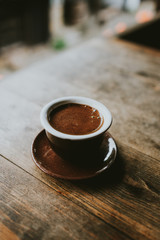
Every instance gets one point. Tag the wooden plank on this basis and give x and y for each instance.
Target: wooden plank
(127, 197)
(127, 82)
(32, 210)
(7, 234)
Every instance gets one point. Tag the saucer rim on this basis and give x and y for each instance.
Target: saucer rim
(58, 176)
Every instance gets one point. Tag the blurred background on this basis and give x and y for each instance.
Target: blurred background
(35, 29)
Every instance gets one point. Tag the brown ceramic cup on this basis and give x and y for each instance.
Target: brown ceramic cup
(75, 146)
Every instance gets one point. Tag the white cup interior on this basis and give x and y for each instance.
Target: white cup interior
(47, 109)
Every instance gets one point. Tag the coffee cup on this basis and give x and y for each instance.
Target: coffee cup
(67, 137)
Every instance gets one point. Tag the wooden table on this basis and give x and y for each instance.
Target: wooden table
(123, 203)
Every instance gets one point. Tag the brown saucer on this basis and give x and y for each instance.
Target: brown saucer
(49, 162)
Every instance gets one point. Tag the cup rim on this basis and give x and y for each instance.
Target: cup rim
(107, 117)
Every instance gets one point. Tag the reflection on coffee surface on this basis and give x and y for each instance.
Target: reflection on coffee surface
(75, 119)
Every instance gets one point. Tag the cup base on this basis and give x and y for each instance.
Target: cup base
(49, 162)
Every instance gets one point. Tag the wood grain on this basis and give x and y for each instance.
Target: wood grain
(127, 82)
(126, 198)
(6, 233)
(32, 210)
(124, 202)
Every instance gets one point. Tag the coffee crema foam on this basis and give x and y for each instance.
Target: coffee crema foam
(75, 119)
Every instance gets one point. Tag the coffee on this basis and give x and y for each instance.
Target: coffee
(75, 119)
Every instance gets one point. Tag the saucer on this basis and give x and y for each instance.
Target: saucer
(49, 162)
